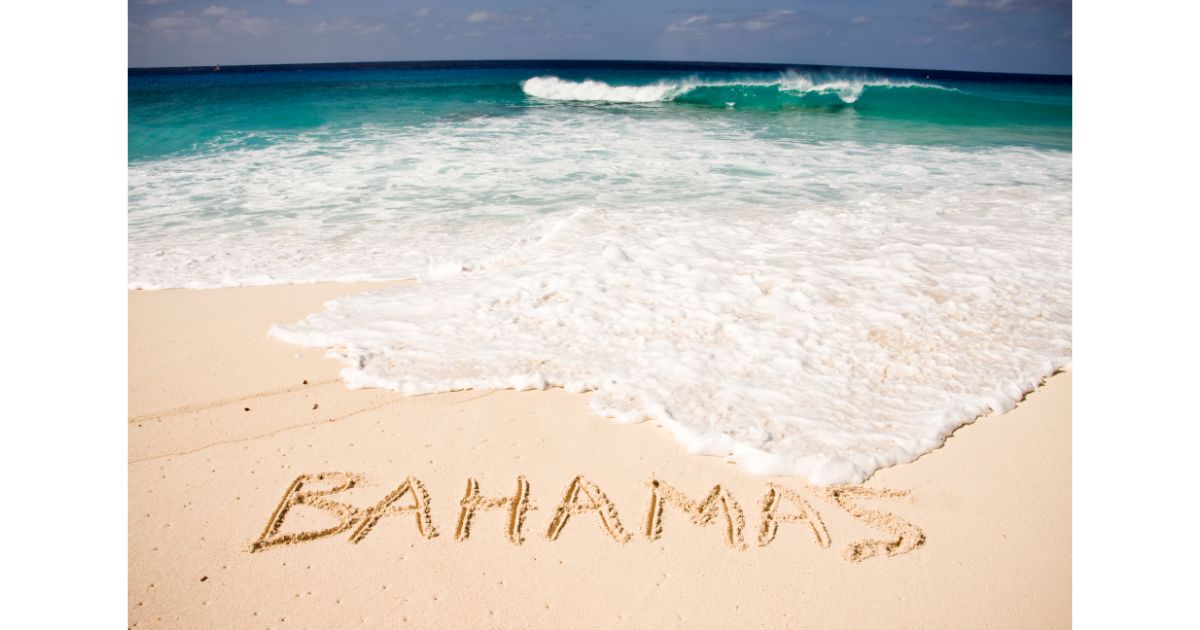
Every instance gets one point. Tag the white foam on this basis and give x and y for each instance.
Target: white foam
(813, 309)
(812, 343)
(848, 89)
(556, 89)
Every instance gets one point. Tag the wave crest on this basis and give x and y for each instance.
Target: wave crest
(555, 89)
(848, 89)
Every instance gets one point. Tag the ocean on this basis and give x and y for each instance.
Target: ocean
(810, 271)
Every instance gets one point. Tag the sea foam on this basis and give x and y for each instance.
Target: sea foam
(797, 343)
(820, 309)
(848, 88)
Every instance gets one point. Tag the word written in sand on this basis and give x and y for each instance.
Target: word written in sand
(581, 498)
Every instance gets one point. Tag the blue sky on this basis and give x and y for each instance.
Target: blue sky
(984, 35)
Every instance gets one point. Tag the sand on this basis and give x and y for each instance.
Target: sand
(570, 520)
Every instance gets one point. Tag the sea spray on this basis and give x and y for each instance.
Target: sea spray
(847, 88)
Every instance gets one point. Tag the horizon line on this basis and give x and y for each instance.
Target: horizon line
(556, 60)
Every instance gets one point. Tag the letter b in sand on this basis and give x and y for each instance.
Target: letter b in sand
(297, 495)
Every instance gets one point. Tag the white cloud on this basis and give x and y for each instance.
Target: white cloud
(861, 19)
(764, 20)
(690, 23)
(251, 25)
(214, 20)
(173, 23)
(298, 3)
(351, 25)
(532, 22)
(422, 12)
(755, 21)
(1005, 6)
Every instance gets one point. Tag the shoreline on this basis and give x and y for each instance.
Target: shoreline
(224, 420)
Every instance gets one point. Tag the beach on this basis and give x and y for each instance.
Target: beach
(581, 344)
(229, 429)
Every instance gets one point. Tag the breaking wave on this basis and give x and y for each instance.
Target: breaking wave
(846, 89)
(879, 97)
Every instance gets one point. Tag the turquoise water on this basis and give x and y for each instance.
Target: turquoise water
(252, 175)
(177, 112)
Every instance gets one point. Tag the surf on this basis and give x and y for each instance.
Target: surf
(812, 273)
(846, 89)
(860, 93)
